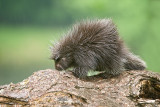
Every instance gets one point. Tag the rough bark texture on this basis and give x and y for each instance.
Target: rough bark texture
(53, 88)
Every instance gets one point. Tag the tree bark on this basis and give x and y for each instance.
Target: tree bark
(54, 88)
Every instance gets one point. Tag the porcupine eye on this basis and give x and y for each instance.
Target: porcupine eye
(56, 58)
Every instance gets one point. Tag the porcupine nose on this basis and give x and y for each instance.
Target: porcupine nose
(59, 67)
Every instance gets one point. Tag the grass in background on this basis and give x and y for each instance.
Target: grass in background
(25, 49)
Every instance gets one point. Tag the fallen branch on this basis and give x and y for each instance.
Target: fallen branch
(54, 88)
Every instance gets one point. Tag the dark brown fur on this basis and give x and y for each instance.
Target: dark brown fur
(94, 45)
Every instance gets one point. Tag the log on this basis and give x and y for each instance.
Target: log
(54, 88)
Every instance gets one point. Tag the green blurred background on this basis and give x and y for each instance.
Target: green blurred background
(27, 28)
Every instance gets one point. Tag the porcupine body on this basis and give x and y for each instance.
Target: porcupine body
(94, 45)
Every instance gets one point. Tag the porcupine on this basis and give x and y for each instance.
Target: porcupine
(94, 45)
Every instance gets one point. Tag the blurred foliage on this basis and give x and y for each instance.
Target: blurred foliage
(27, 28)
